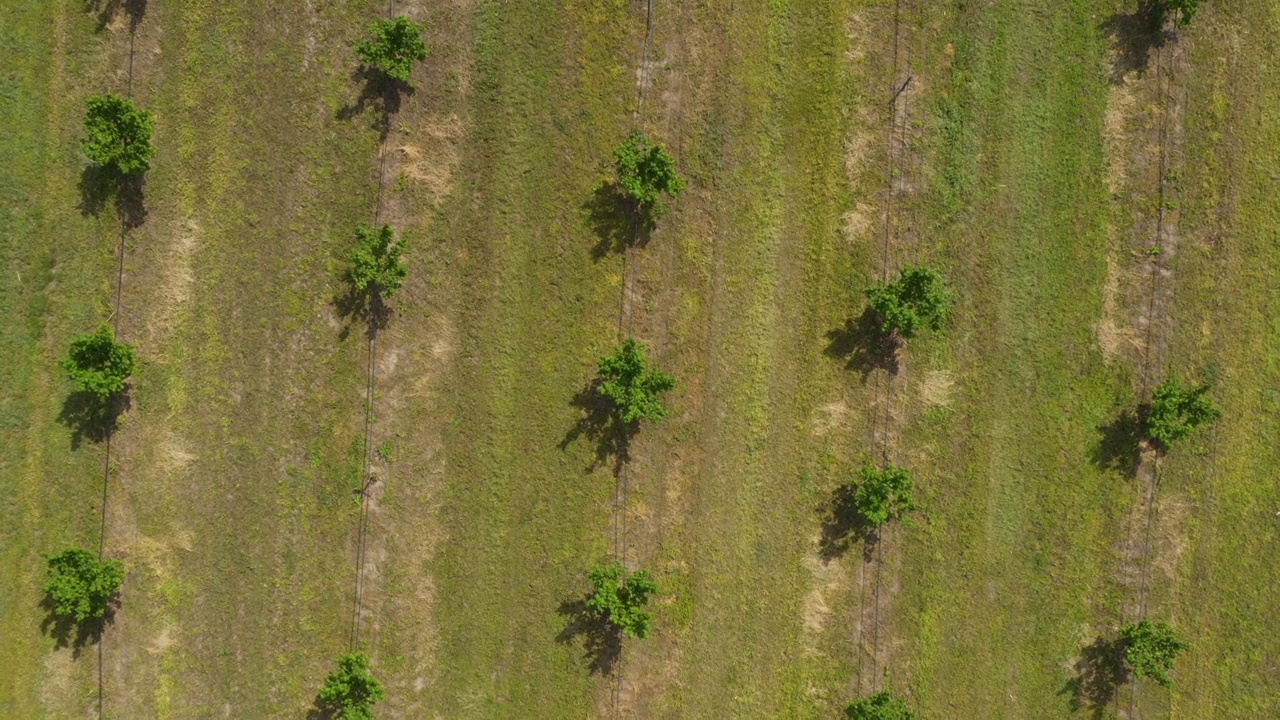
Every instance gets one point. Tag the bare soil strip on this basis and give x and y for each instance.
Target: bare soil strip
(110, 430)
(904, 164)
(1144, 517)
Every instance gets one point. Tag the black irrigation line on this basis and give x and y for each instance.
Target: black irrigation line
(1165, 84)
(626, 309)
(367, 477)
(115, 333)
(626, 313)
(895, 211)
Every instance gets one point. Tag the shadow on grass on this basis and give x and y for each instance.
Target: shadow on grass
(66, 632)
(107, 9)
(600, 426)
(616, 222)
(379, 92)
(1135, 35)
(1100, 672)
(843, 527)
(601, 640)
(1120, 442)
(365, 307)
(99, 185)
(862, 346)
(320, 711)
(90, 418)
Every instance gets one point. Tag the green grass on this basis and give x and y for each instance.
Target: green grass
(1009, 568)
(231, 496)
(1225, 309)
(56, 264)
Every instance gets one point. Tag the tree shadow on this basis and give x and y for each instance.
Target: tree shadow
(1100, 672)
(320, 711)
(67, 632)
(130, 205)
(99, 185)
(1119, 444)
(843, 527)
(1135, 34)
(863, 346)
(616, 221)
(361, 306)
(383, 94)
(601, 639)
(90, 418)
(601, 426)
(107, 9)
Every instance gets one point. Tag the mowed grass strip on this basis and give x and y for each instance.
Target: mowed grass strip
(522, 519)
(57, 264)
(238, 462)
(769, 277)
(1007, 567)
(1222, 494)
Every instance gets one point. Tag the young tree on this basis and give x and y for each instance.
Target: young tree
(1182, 11)
(377, 266)
(98, 364)
(883, 495)
(1177, 410)
(393, 47)
(80, 585)
(880, 706)
(916, 300)
(621, 600)
(1151, 647)
(119, 135)
(633, 387)
(645, 172)
(351, 691)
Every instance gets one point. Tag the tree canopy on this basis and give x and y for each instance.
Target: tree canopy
(621, 600)
(80, 585)
(883, 495)
(1177, 410)
(1181, 12)
(393, 47)
(915, 301)
(645, 172)
(634, 388)
(98, 364)
(880, 706)
(118, 134)
(351, 691)
(1151, 647)
(377, 265)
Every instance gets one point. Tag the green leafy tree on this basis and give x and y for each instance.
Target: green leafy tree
(880, 706)
(351, 691)
(633, 387)
(377, 265)
(645, 172)
(1181, 11)
(883, 495)
(98, 364)
(915, 301)
(1177, 410)
(1151, 647)
(621, 600)
(80, 585)
(118, 135)
(393, 47)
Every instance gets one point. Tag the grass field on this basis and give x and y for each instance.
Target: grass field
(1030, 173)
